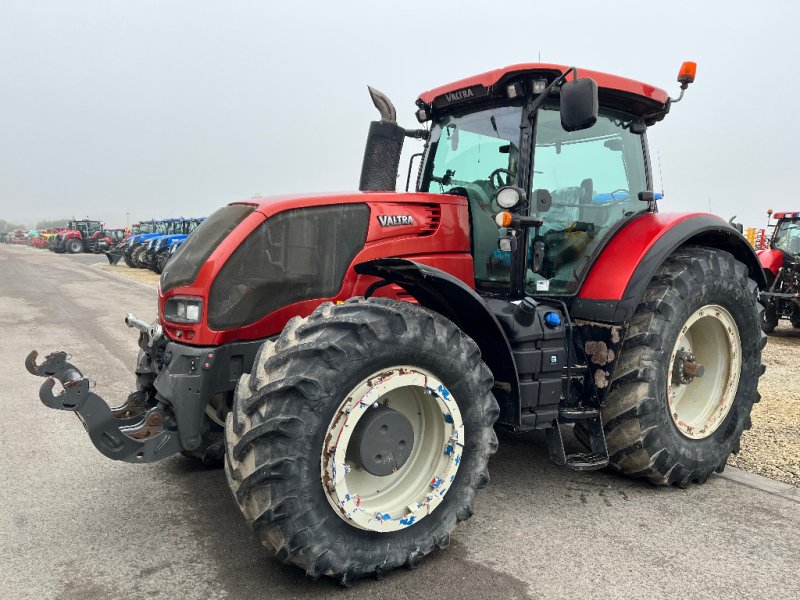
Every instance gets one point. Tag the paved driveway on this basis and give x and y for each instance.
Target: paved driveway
(76, 525)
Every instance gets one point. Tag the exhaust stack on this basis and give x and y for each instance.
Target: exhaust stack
(383, 147)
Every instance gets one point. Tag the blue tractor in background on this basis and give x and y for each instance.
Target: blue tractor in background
(159, 249)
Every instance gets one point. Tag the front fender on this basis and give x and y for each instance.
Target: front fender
(627, 264)
(449, 296)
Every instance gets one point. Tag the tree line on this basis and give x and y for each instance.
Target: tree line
(8, 226)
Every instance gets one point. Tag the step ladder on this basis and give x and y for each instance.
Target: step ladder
(595, 457)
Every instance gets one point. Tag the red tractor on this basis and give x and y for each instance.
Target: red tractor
(348, 356)
(79, 236)
(108, 238)
(781, 262)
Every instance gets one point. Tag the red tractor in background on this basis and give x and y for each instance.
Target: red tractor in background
(781, 263)
(109, 238)
(348, 356)
(79, 236)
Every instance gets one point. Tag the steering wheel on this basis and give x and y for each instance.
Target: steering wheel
(496, 174)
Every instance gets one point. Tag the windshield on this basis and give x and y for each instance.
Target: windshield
(594, 177)
(787, 237)
(473, 155)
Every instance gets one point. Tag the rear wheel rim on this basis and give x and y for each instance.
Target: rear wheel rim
(413, 491)
(698, 407)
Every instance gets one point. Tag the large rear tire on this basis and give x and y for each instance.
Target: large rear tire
(660, 422)
(290, 446)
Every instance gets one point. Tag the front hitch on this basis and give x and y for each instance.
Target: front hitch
(148, 436)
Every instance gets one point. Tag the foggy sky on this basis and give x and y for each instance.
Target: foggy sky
(169, 108)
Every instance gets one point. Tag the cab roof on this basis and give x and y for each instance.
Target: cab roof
(640, 98)
(786, 215)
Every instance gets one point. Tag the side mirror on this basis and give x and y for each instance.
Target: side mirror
(579, 104)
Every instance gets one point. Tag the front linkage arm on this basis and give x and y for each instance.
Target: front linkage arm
(143, 438)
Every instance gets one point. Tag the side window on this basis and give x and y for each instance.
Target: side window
(594, 177)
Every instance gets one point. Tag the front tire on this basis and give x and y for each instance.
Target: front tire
(700, 307)
(74, 246)
(290, 414)
(137, 257)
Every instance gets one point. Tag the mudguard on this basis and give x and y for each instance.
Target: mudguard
(771, 260)
(449, 296)
(621, 273)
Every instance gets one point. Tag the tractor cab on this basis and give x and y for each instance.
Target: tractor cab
(501, 140)
(786, 236)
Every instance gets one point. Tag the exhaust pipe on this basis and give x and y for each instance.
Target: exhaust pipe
(383, 148)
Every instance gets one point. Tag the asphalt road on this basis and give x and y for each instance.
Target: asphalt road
(75, 525)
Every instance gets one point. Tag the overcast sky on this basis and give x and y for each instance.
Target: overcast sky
(167, 108)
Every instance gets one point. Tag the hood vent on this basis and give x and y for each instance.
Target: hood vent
(433, 217)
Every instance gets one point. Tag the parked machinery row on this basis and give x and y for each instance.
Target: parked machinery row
(148, 244)
(152, 243)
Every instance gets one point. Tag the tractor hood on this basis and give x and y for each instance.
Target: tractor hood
(141, 237)
(164, 241)
(270, 205)
(250, 261)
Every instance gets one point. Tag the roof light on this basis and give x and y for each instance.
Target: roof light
(514, 90)
(685, 77)
(687, 73)
(539, 85)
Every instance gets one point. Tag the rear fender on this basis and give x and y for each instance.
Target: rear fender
(622, 272)
(771, 260)
(452, 298)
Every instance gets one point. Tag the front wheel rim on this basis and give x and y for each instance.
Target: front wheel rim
(412, 492)
(709, 337)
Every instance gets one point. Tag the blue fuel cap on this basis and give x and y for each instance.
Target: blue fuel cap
(553, 319)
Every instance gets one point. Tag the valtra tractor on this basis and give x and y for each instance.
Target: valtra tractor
(348, 356)
(781, 262)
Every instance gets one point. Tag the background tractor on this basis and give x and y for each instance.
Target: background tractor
(348, 356)
(108, 239)
(159, 249)
(133, 244)
(79, 236)
(781, 263)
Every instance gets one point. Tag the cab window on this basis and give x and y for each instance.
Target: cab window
(593, 177)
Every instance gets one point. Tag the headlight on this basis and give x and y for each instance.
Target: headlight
(509, 196)
(183, 310)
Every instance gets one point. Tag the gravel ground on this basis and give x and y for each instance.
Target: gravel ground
(772, 447)
(141, 275)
